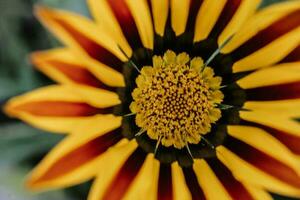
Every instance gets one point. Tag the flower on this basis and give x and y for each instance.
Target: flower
(180, 99)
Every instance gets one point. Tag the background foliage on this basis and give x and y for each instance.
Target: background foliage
(21, 146)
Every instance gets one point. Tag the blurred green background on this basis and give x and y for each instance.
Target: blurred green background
(21, 146)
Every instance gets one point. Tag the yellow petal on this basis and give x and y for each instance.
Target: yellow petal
(55, 93)
(278, 122)
(111, 164)
(146, 181)
(260, 21)
(279, 74)
(60, 169)
(264, 142)
(212, 187)
(160, 11)
(180, 189)
(141, 14)
(288, 108)
(270, 54)
(107, 23)
(258, 193)
(87, 41)
(207, 17)
(245, 10)
(247, 173)
(179, 15)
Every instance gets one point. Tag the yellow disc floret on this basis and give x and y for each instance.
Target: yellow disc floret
(176, 99)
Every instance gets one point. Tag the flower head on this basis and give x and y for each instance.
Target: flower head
(171, 99)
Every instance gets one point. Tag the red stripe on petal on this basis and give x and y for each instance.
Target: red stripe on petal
(81, 155)
(126, 21)
(165, 189)
(269, 34)
(274, 92)
(292, 142)
(125, 176)
(194, 9)
(233, 187)
(93, 49)
(60, 109)
(193, 185)
(228, 12)
(78, 74)
(294, 56)
(263, 162)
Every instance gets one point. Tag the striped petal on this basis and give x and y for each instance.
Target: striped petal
(93, 47)
(60, 108)
(165, 187)
(276, 27)
(63, 66)
(75, 159)
(279, 74)
(264, 142)
(254, 167)
(114, 180)
(125, 19)
(179, 15)
(180, 188)
(160, 12)
(287, 108)
(278, 122)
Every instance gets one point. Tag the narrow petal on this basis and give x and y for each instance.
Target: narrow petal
(235, 188)
(258, 193)
(287, 108)
(282, 91)
(56, 108)
(207, 18)
(160, 12)
(146, 181)
(117, 160)
(179, 15)
(279, 74)
(290, 141)
(246, 9)
(282, 123)
(141, 13)
(266, 143)
(165, 188)
(108, 23)
(180, 188)
(212, 187)
(294, 56)
(90, 45)
(63, 66)
(73, 160)
(252, 166)
(193, 185)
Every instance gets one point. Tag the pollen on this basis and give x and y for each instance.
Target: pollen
(176, 100)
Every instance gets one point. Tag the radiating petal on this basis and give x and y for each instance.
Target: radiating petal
(212, 187)
(287, 108)
(192, 183)
(294, 56)
(266, 143)
(63, 66)
(74, 160)
(165, 188)
(180, 188)
(160, 11)
(282, 123)
(179, 15)
(58, 108)
(92, 46)
(245, 10)
(253, 167)
(145, 183)
(258, 193)
(207, 17)
(279, 74)
(106, 21)
(117, 160)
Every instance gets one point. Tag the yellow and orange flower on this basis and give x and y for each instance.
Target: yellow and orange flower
(170, 99)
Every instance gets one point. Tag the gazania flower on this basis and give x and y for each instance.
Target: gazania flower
(180, 99)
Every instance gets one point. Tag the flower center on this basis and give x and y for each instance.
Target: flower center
(176, 99)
